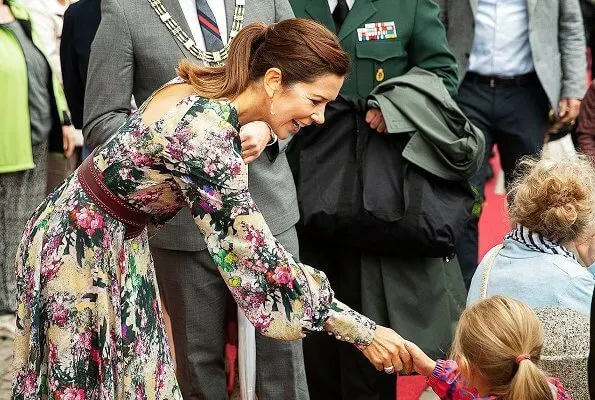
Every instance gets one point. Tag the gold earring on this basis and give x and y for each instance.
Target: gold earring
(271, 109)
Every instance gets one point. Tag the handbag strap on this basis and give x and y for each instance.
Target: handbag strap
(486, 272)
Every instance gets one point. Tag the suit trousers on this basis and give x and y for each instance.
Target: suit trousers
(515, 119)
(196, 297)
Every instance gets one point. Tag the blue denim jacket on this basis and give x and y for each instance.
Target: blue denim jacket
(535, 278)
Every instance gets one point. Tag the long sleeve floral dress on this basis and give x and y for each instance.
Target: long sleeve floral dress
(89, 324)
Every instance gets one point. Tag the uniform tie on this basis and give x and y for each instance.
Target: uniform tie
(340, 13)
(208, 26)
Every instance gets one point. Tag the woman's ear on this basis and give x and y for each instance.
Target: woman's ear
(272, 81)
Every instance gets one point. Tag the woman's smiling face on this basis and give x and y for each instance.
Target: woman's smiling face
(302, 104)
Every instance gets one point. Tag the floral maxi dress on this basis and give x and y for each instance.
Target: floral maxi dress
(89, 324)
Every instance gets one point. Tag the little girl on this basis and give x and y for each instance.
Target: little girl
(495, 352)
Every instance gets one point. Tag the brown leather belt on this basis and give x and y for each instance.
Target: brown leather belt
(135, 220)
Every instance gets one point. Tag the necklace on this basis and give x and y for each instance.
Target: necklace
(211, 57)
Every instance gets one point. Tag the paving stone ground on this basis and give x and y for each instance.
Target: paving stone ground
(5, 368)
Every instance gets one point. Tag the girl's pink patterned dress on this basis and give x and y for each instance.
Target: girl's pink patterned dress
(447, 384)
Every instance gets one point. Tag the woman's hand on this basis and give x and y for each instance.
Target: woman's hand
(388, 350)
(422, 364)
(255, 136)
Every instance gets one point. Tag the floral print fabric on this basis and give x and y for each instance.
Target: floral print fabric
(89, 321)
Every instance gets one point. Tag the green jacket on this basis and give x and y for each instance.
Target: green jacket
(421, 41)
(15, 127)
(443, 141)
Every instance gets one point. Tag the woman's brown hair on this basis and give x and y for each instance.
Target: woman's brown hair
(554, 198)
(302, 49)
(490, 337)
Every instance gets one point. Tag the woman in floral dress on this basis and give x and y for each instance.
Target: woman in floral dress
(89, 324)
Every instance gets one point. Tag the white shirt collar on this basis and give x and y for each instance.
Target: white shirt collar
(333, 3)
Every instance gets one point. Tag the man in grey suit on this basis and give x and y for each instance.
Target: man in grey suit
(134, 52)
(517, 60)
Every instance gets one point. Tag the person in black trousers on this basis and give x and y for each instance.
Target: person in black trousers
(81, 20)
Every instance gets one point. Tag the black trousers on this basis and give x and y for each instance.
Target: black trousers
(514, 118)
(334, 369)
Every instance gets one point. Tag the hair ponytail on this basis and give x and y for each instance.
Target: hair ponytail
(303, 50)
(528, 383)
(232, 78)
(502, 339)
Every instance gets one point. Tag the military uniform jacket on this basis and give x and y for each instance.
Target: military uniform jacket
(420, 41)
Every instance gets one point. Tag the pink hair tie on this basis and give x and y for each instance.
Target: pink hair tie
(522, 357)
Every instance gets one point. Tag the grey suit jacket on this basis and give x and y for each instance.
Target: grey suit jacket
(133, 54)
(556, 35)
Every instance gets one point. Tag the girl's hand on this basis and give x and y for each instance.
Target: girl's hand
(422, 364)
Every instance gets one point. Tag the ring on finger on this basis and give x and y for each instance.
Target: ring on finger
(389, 370)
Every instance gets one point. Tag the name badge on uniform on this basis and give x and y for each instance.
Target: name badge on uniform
(377, 31)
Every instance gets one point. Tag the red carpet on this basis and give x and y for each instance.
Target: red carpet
(493, 224)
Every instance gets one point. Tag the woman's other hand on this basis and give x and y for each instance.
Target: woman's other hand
(255, 136)
(422, 364)
(68, 140)
(388, 350)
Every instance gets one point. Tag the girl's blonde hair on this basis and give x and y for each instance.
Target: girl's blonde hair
(554, 198)
(491, 336)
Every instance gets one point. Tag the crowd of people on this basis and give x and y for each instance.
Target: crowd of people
(319, 164)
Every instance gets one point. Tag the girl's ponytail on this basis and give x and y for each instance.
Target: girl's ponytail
(502, 339)
(528, 383)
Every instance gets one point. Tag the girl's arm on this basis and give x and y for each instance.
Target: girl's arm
(443, 375)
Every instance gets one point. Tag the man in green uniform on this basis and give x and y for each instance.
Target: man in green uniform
(419, 297)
